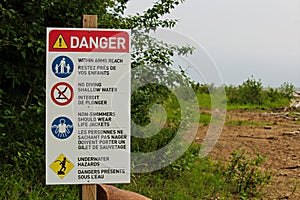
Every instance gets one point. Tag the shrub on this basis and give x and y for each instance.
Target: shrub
(232, 93)
(244, 175)
(272, 94)
(250, 92)
(287, 90)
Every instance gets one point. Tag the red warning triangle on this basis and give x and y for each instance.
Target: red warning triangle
(60, 43)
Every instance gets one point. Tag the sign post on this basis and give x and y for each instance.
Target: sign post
(88, 106)
(89, 191)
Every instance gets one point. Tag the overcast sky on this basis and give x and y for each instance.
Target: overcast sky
(243, 37)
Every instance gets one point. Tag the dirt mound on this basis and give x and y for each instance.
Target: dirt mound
(276, 135)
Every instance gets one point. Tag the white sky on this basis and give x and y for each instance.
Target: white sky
(243, 37)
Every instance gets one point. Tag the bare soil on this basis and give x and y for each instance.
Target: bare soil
(274, 134)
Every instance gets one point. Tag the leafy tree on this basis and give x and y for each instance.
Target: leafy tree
(22, 74)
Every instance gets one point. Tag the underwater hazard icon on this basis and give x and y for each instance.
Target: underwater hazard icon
(62, 166)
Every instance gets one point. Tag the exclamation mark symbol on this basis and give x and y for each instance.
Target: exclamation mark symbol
(60, 43)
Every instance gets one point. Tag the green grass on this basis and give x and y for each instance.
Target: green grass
(243, 106)
(205, 119)
(16, 185)
(204, 100)
(203, 181)
(244, 123)
(266, 105)
(188, 178)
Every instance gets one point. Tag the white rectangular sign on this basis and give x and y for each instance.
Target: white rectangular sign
(87, 106)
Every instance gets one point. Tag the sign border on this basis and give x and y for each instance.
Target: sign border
(55, 87)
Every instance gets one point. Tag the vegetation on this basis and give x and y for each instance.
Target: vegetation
(22, 105)
(244, 175)
(251, 92)
(206, 179)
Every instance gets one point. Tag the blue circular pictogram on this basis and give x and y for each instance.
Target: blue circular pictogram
(62, 127)
(62, 66)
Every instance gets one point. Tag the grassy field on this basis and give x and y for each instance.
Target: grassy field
(190, 177)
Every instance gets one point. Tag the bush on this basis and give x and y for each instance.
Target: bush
(287, 90)
(244, 176)
(251, 92)
(272, 94)
(232, 93)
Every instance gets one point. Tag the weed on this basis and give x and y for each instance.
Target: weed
(244, 176)
(295, 187)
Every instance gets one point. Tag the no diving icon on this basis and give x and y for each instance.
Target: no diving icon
(62, 66)
(62, 93)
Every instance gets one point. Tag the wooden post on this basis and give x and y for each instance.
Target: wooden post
(97, 191)
(89, 21)
(89, 192)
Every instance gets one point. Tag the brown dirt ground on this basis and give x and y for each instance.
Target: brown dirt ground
(270, 134)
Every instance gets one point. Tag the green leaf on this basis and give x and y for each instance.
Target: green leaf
(23, 52)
